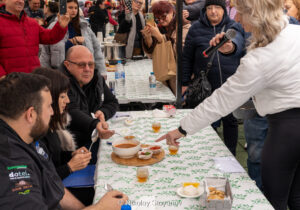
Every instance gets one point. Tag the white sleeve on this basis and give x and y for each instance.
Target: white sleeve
(246, 82)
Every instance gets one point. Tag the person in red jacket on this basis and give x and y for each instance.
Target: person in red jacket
(20, 37)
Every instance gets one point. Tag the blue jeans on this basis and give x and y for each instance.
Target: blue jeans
(255, 130)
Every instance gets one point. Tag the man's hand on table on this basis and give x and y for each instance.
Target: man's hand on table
(103, 131)
(112, 200)
(171, 137)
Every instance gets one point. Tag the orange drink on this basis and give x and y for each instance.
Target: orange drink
(156, 127)
(142, 174)
(173, 149)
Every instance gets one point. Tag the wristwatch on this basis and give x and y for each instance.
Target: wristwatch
(183, 132)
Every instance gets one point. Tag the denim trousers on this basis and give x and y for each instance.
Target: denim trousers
(255, 130)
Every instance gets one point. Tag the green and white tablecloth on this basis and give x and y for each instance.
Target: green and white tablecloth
(193, 163)
(137, 84)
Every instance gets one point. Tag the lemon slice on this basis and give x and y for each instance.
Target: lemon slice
(195, 184)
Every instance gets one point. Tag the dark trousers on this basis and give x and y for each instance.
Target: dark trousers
(281, 160)
(230, 131)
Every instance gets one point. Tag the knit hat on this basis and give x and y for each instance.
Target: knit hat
(221, 3)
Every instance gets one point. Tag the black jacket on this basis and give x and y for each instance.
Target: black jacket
(59, 157)
(197, 40)
(124, 26)
(86, 100)
(28, 178)
(194, 9)
(98, 19)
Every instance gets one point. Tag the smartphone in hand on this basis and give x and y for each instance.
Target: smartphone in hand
(62, 7)
(150, 19)
(128, 4)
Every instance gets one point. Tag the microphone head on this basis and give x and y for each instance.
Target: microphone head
(230, 34)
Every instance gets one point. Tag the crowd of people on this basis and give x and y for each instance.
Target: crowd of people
(53, 76)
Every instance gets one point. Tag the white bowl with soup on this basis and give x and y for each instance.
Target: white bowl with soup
(126, 148)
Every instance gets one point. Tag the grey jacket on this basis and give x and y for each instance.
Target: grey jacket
(53, 55)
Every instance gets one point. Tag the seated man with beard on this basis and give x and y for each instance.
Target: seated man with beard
(28, 177)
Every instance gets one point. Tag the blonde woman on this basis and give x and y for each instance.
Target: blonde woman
(269, 73)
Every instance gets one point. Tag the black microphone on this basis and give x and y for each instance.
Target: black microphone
(230, 34)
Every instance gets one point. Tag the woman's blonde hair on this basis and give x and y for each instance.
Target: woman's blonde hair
(265, 17)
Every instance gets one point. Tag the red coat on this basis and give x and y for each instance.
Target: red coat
(20, 39)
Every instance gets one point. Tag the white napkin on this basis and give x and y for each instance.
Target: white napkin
(228, 165)
(156, 113)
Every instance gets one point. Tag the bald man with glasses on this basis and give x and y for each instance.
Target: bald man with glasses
(88, 94)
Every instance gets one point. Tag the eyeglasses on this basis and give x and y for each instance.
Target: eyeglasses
(161, 18)
(138, 2)
(83, 64)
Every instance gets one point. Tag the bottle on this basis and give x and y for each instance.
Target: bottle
(126, 207)
(152, 83)
(117, 82)
(121, 79)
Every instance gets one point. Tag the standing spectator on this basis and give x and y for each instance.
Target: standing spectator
(50, 12)
(293, 8)
(231, 11)
(131, 23)
(34, 11)
(111, 20)
(272, 80)
(19, 53)
(98, 17)
(164, 13)
(79, 33)
(193, 7)
(87, 6)
(213, 20)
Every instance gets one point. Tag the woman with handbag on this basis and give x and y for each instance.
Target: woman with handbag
(213, 19)
(269, 73)
(162, 38)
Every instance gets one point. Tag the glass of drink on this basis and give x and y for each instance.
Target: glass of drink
(142, 174)
(156, 127)
(173, 149)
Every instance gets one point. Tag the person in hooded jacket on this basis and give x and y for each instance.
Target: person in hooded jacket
(214, 20)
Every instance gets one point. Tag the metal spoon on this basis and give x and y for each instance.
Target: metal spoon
(109, 188)
(94, 138)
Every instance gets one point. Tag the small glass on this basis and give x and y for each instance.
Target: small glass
(156, 127)
(142, 174)
(173, 149)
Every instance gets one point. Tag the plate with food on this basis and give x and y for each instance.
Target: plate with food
(190, 190)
